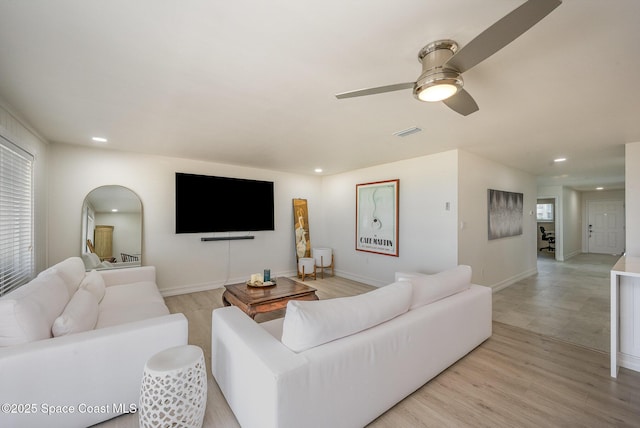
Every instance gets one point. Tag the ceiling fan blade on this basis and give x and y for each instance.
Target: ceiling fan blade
(501, 33)
(462, 102)
(378, 90)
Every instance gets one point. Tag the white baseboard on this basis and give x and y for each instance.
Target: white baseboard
(193, 288)
(510, 281)
(359, 278)
(572, 254)
(206, 286)
(631, 362)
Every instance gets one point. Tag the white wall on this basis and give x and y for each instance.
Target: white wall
(632, 198)
(428, 234)
(183, 262)
(500, 262)
(572, 223)
(429, 238)
(21, 135)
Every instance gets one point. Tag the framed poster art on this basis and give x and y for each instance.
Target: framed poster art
(377, 217)
(505, 213)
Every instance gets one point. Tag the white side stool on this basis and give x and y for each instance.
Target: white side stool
(174, 389)
(306, 267)
(323, 259)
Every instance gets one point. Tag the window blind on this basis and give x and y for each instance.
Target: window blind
(16, 216)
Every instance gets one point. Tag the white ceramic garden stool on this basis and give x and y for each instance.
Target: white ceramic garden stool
(323, 259)
(174, 389)
(306, 267)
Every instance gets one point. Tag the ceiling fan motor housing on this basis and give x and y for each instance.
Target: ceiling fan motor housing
(433, 58)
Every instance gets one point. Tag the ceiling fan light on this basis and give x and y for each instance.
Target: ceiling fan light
(438, 86)
(437, 92)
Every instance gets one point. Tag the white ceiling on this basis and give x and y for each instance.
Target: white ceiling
(251, 82)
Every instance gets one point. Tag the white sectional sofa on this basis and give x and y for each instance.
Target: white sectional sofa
(73, 344)
(343, 362)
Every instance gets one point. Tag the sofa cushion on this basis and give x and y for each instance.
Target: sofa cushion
(312, 323)
(430, 288)
(80, 314)
(94, 283)
(27, 314)
(71, 271)
(130, 302)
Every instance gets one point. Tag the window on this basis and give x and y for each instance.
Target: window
(16, 216)
(544, 212)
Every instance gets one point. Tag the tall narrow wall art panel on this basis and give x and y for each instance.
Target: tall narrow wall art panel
(301, 228)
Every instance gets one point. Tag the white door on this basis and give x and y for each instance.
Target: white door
(605, 227)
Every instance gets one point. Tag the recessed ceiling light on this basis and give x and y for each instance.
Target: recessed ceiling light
(560, 159)
(99, 139)
(599, 188)
(115, 210)
(318, 170)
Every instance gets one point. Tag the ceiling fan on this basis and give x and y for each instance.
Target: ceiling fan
(443, 63)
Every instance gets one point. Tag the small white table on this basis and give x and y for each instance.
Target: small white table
(174, 389)
(626, 269)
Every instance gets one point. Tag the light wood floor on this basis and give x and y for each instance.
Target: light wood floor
(566, 300)
(516, 378)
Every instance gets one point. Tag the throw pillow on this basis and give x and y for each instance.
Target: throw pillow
(311, 323)
(94, 283)
(80, 314)
(27, 314)
(430, 288)
(22, 321)
(71, 271)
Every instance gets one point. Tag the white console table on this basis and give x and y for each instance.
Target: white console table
(625, 314)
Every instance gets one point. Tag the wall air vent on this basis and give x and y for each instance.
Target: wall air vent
(408, 131)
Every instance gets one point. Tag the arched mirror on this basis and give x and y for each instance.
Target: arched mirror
(111, 228)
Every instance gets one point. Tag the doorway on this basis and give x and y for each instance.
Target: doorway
(605, 227)
(546, 215)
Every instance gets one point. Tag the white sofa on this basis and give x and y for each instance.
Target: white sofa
(73, 345)
(343, 362)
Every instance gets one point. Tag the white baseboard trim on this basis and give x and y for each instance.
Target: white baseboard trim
(363, 279)
(510, 281)
(631, 362)
(191, 288)
(572, 254)
(194, 288)
(206, 286)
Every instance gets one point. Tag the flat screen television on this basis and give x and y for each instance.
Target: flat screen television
(220, 204)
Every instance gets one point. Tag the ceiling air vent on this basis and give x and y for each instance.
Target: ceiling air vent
(408, 131)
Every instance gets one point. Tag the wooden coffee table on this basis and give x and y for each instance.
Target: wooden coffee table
(258, 300)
